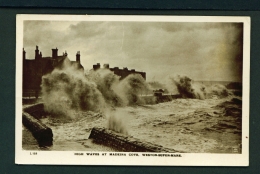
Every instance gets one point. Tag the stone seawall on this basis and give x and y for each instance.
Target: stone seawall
(153, 99)
(124, 143)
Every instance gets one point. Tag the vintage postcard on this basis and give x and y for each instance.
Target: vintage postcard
(132, 90)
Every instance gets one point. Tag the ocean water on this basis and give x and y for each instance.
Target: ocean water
(209, 83)
(189, 125)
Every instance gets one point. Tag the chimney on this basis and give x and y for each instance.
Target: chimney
(106, 66)
(54, 53)
(24, 54)
(78, 57)
(36, 52)
(96, 67)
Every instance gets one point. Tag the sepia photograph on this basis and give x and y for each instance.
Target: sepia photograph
(132, 90)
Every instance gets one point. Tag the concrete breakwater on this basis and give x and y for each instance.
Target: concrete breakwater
(124, 143)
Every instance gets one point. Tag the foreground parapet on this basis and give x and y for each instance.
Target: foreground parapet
(124, 143)
(35, 110)
(42, 133)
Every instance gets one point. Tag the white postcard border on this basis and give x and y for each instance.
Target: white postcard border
(184, 159)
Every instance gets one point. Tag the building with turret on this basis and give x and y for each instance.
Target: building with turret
(122, 73)
(34, 69)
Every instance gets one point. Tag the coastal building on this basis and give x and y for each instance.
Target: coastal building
(122, 73)
(34, 69)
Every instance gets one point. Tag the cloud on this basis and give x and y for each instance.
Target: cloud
(158, 48)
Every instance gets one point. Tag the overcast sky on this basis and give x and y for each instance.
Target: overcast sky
(203, 51)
